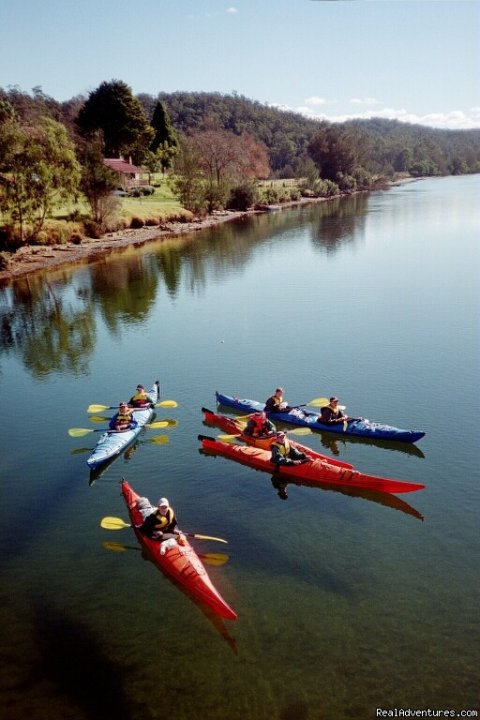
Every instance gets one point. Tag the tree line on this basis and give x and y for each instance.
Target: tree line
(214, 147)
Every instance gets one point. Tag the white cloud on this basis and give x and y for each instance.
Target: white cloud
(365, 101)
(314, 100)
(453, 120)
(231, 10)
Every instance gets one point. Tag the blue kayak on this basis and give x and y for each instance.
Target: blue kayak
(359, 428)
(112, 443)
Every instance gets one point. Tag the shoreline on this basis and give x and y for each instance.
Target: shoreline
(35, 259)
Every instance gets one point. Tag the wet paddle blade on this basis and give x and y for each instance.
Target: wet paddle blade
(113, 523)
(79, 432)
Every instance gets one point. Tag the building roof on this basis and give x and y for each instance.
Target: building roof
(121, 166)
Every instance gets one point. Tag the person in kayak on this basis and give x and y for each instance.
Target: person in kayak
(159, 523)
(275, 402)
(141, 399)
(123, 419)
(259, 426)
(332, 414)
(283, 453)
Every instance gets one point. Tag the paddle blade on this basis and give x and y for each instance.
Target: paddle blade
(158, 424)
(214, 558)
(167, 404)
(97, 408)
(300, 431)
(113, 523)
(160, 439)
(115, 546)
(318, 402)
(228, 438)
(79, 432)
(99, 418)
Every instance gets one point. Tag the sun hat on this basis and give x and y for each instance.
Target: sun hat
(163, 502)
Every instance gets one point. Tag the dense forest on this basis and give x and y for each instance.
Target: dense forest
(213, 147)
(383, 146)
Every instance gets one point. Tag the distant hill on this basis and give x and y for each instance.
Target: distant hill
(383, 146)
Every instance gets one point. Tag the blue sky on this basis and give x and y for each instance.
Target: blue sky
(415, 60)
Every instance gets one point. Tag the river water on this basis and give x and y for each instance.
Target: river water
(345, 605)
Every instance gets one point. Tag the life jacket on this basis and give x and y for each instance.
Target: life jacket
(123, 419)
(165, 522)
(334, 411)
(283, 448)
(140, 399)
(258, 425)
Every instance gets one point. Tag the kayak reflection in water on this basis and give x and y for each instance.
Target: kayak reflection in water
(159, 523)
(283, 453)
(259, 426)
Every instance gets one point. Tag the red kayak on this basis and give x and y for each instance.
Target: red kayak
(316, 471)
(236, 426)
(180, 562)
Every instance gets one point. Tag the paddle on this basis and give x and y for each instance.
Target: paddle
(296, 431)
(81, 432)
(210, 558)
(160, 439)
(114, 523)
(101, 408)
(319, 402)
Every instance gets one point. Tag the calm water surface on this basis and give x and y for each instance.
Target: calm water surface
(345, 604)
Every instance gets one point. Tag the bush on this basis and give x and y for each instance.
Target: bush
(136, 222)
(92, 229)
(242, 197)
(5, 258)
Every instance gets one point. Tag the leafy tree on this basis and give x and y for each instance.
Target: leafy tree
(38, 168)
(188, 183)
(332, 152)
(114, 110)
(165, 142)
(97, 181)
(224, 159)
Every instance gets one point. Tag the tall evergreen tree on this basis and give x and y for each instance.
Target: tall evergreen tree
(114, 110)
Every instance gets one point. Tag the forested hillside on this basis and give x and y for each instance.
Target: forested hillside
(381, 146)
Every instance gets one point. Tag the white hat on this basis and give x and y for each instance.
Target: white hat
(163, 501)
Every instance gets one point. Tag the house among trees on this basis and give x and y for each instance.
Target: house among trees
(129, 176)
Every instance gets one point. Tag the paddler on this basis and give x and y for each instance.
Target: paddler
(259, 426)
(123, 419)
(276, 403)
(283, 452)
(141, 399)
(159, 523)
(332, 414)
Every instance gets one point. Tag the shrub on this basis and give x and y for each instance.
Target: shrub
(242, 196)
(5, 258)
(92, 229)
(136, 222)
